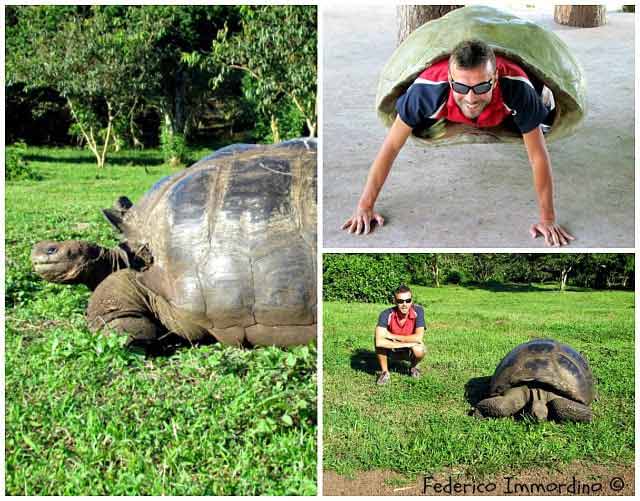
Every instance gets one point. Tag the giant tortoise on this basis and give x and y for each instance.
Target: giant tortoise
(542, 54)
(545, 377)
(225, 248)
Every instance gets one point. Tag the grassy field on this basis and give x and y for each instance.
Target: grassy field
(84, 416)
(422, 426)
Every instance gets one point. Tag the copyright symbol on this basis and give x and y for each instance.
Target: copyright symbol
(616, 484)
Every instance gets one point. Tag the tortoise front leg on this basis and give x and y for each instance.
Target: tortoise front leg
(504, 405)
(120, 304)
(564, 409)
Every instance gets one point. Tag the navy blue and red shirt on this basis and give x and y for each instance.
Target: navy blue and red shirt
(514, 97)
(389, 319)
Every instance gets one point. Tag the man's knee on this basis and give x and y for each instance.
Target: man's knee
(381, 351)
(418, 352)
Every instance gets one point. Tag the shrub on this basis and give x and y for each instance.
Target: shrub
(174, 147)
(454, 277)
(16, 167)
(362, 277)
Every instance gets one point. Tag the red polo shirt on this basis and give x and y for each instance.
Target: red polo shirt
(390, 319)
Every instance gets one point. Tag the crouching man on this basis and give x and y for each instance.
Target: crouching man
(400, 331)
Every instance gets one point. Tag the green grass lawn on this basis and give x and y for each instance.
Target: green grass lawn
(84, 416)
(422, 426)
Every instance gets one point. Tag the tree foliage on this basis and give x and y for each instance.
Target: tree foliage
(276, 48)
(364, 277)
(369, 278)
(93, 58)
(113, 63)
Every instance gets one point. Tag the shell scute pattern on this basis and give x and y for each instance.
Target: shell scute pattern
(233, 237)
(547, 363)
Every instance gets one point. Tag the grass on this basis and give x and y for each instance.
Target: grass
(423, 426)
(84, 416)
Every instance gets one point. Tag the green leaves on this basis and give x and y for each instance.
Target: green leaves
(277, 48)
(362, 277)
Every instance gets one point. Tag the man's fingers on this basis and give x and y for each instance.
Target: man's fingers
(346, 224)
(533, 231)
(367, 227)
(565, 233)
(379, 219)
(545, 233)
(554, 237)
(563, 241)
(359, 227)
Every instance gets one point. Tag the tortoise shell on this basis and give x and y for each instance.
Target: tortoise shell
(541, 53)
(232, 239)
(545, 362)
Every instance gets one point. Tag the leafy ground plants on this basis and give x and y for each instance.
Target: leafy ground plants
(422, 426)
(85, 416)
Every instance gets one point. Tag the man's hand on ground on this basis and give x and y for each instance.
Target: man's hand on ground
(361, 221)
(554, 234)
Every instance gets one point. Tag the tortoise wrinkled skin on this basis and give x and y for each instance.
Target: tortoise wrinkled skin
(541, 53)
(225, 248)
(545, 378)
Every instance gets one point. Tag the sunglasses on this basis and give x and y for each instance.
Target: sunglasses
(481, 88)
(400, 301)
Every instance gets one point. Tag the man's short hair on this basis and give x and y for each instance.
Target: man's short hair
(400, 290)
(470, 54)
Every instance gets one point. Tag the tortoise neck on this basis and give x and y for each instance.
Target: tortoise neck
(107, 262)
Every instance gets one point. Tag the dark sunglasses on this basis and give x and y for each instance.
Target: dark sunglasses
(400, 301)
(481, 88)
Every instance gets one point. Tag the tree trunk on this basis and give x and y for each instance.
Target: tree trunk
(564, 275)
(411, 17)
(582, 16)
(179, 115)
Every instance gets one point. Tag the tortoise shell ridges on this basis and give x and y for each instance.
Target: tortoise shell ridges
(224, 248)
(546, 362)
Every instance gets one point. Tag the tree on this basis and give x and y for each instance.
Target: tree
(180, 88)
(93, 58)
(113, 64)
(411, 17)
(276, 49)
(561, 265)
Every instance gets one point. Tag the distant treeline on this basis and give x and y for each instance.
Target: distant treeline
(372, 277)
(110, 75)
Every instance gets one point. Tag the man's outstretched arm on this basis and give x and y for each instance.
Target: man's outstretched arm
(360, 221)
(553, 233)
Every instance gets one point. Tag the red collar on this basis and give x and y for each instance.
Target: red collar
(491, 116)
(412, 313)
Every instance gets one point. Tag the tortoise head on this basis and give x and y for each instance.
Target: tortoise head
(71, 262)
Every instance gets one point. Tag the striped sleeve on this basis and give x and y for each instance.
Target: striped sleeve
(383, 319)
(420, 317)
(422, 102)
(526, 106)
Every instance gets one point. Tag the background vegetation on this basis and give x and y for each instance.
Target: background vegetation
(373, 277)
(110, 77)
(85, 417)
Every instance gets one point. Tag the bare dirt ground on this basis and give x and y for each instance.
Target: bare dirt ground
(476, 195)
(574, 479)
